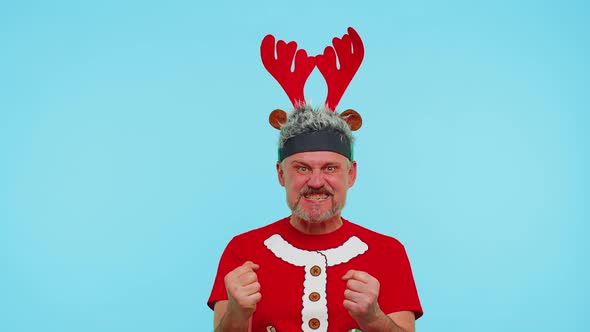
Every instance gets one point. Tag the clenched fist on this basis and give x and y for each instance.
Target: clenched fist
(360, 297)
(243, 290)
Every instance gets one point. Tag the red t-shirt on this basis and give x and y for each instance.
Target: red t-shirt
(301, 275)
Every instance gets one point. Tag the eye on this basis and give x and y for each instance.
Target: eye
(331, 168)
(302, 169)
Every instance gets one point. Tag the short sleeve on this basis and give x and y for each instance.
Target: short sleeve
(230, 259)
(398, 292)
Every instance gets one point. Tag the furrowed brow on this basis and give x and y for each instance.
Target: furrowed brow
(299, 162)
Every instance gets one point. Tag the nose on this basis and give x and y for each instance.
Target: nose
(316, 180)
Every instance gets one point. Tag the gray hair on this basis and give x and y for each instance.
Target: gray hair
(305, 119)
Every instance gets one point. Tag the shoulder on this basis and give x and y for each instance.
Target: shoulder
(374, 237)
(248, 245)
(261, 232)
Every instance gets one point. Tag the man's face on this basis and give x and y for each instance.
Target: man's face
(316, 183)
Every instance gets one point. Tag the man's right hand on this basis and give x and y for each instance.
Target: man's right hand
(243, 290)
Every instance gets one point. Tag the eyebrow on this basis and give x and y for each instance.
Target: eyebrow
(298, 162)
(329, 163)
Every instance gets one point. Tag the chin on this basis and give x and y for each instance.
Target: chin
(316, 217)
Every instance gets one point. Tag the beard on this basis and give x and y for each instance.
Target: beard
(315, 215)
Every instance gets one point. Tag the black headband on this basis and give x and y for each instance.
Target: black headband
(323, 140)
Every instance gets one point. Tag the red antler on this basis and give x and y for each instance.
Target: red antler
(350, 52)
(292, 82)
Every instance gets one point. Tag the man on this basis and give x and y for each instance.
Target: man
(314, 270)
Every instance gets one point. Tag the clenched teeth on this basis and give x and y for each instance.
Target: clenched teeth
(316, 197)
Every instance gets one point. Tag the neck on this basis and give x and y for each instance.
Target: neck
(316, 228)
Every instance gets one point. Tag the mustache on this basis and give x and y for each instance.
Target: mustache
(318, 191)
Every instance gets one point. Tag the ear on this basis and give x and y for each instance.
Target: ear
(280, 174)
(352, 174)
(353, 119)
(277, 118)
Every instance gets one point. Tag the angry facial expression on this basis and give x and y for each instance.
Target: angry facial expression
(316, 183)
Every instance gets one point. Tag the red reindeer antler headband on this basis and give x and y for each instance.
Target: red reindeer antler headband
(350, 52)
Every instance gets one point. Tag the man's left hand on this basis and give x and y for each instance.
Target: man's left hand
(360, 297)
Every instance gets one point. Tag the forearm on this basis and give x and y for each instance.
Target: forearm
(384, 323)
(228, 318)
(232, 322)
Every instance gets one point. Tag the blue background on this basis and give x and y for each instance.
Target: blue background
(134, 144)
